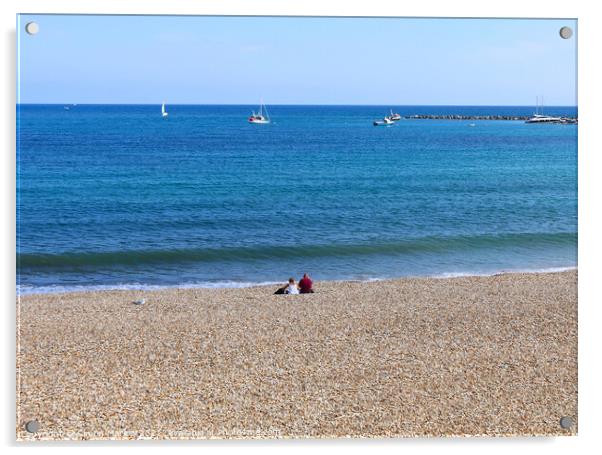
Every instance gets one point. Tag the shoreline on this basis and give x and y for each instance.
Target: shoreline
(464, 356)
(245, 285)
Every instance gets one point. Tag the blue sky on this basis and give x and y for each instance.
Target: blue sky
(237, 60)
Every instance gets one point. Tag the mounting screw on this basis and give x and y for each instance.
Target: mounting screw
(32, 426)
(32, 28)
(566, 422)
(566, 32)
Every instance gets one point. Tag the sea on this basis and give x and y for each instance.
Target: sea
(117, 197)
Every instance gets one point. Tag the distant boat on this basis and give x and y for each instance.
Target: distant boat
(260, 117)
(163, 111)
(66, 108)
(539, 116)
(568, 121)
(395, 117)
(384, 122)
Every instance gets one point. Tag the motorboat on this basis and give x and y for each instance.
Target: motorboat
(384, 122)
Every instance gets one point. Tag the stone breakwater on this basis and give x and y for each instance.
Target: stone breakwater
(482, 117)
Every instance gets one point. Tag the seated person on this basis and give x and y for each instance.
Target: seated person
(305, 284)
(289, 288)
(292, 287)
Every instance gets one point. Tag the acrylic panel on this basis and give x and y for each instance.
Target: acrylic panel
(295, 227)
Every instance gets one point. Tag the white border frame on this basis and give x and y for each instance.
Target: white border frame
(589, 77)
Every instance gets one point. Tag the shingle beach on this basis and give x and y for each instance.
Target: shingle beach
(490, 355)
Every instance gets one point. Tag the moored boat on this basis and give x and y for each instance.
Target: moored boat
(394, 116)
(539, 116)
(260, 117)
(384, 122)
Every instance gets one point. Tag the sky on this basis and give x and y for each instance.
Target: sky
(286, 60)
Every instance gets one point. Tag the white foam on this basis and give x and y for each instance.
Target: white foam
(56, 289)
(501, 272)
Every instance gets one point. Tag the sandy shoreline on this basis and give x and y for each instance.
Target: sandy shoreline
(490, 355)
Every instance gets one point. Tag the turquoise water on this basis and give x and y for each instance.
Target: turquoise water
(116, 196)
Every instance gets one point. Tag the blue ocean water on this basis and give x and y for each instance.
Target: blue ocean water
(116, 196)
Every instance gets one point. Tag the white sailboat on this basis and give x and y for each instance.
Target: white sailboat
(163, 111)
(539, 116)
(260, 117)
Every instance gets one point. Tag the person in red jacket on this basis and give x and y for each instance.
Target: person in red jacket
(305, 284)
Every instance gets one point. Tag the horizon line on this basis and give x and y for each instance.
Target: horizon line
(287, 104)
